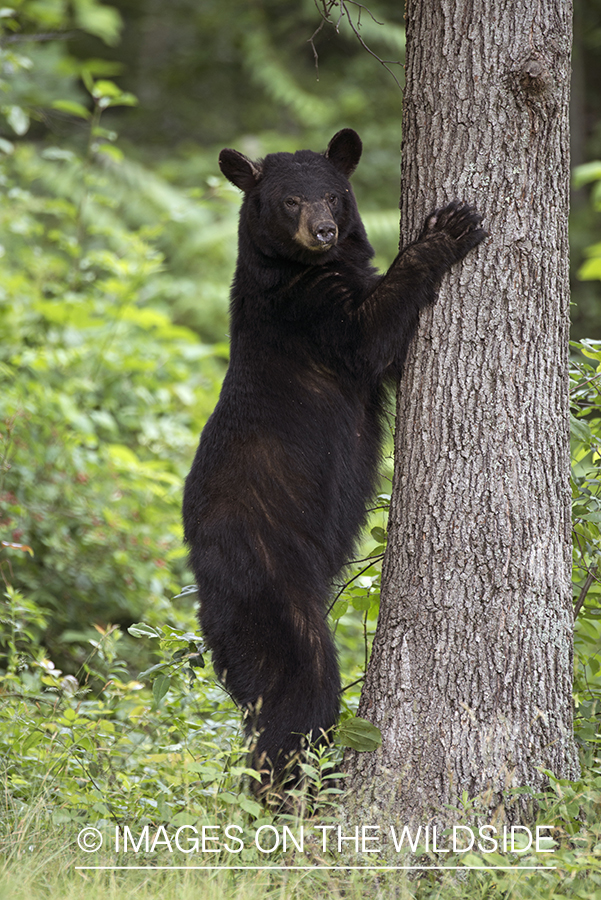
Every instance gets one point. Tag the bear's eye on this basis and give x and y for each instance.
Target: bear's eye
(332, 199)
(291, 202)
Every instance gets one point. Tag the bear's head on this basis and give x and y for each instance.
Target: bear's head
(298, 205)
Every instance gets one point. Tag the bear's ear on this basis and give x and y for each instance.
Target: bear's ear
(344, 151)
(239, 169)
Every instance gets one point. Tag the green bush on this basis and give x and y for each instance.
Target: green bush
(102, 398)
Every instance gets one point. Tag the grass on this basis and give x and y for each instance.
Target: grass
(40, 858)
(69, 761)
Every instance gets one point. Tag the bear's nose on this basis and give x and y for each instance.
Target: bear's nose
(325, 233)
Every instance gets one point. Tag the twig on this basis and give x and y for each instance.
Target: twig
(325, 7)
(354, 577)
(353, 683)
(592, 576)
(37, 38)
(313, 47)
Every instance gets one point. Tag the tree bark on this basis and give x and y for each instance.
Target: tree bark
(470, 675)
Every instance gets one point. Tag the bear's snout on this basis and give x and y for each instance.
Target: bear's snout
(317, 229)
(326, 232)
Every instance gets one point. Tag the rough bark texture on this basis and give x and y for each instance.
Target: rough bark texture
(470, 676)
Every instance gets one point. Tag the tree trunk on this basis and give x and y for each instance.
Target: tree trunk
(470, 675)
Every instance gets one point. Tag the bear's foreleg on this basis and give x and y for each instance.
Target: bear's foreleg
(389, 315)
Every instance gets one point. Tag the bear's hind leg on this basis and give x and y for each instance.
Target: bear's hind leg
(277, 659)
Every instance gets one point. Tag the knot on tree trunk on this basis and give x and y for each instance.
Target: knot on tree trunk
(535, 77)
(533, 83)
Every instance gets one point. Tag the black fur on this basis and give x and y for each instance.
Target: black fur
(288, 460)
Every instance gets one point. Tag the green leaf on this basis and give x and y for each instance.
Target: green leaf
(107, 93)
(160, 686)
(183, 818)
(156, 668)
(142, 630)
(590, 270)
(339, 609)
(188, 589)
(109, 150)
(119, 453)
(60, 153)
(590, 348)
(594, 516)
(359, 734)
(361, 602)
(30, 741)
(590, 171)
(18, 119)
(102, 21)
(73, 108)
(580, 429)
(250, 806)
(104, 88)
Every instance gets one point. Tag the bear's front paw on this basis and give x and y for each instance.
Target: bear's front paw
(458, 221)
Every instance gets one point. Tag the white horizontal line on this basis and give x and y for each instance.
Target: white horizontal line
(341, 868)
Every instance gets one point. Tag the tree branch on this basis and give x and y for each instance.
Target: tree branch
(325, 8)
(592, 576)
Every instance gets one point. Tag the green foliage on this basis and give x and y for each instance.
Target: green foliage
(590, 173)
(359, 734)
(585, 378)
(37, 72)
(123, 753)
(210, 75)
(102, 755)
(102, 397)
(586, 482)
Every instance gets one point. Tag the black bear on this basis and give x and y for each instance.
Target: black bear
(288, 460)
